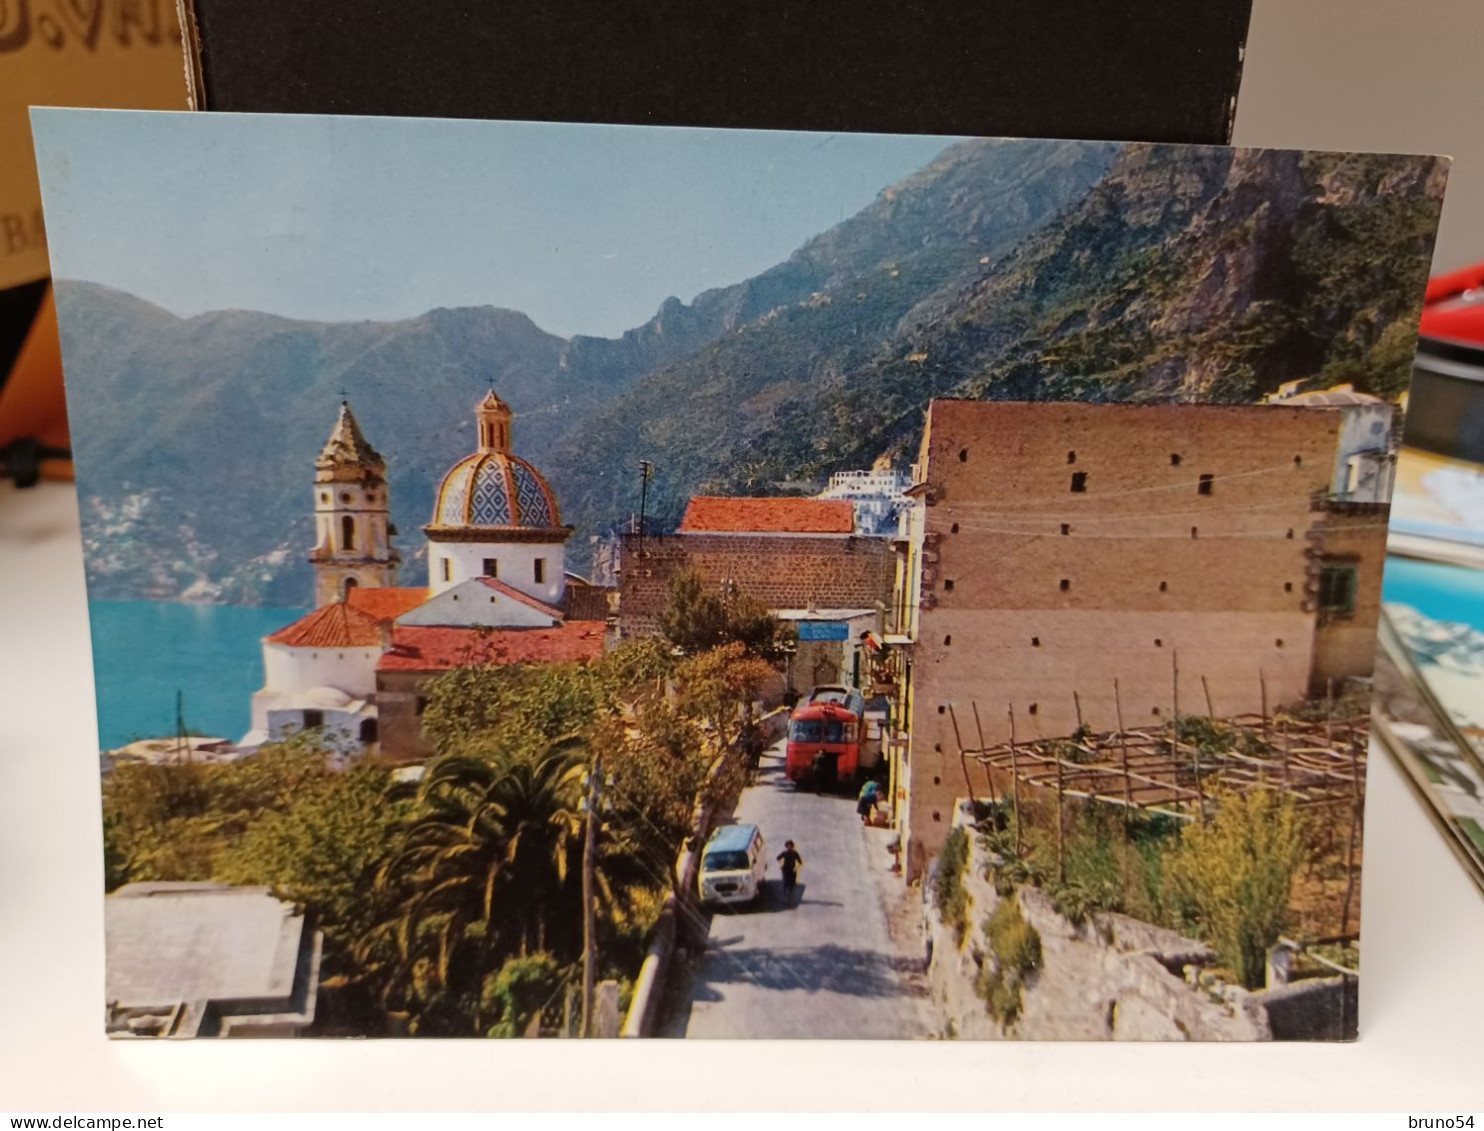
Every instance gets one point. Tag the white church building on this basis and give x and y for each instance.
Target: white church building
(497, 587)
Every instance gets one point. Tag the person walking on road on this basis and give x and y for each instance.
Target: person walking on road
(789, 863)
(866, 805)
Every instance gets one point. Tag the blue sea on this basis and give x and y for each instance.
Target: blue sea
(146, 651)
(1442, 592)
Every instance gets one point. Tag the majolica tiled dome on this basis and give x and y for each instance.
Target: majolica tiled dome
(492, 487)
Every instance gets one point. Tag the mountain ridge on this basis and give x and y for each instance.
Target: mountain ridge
(1020, 270)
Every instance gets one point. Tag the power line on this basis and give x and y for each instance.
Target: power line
(1184, 485)
(1289, 534)
(1063, 514)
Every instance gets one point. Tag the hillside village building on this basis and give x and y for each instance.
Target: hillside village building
(357, 667)
(877, 496)
(803, 559)
(1059, 557)
(1365, 458)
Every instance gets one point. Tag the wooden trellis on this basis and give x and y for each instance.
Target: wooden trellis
(1156, 771)
(1319, 763)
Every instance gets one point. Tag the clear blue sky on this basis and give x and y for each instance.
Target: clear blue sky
(585, 228)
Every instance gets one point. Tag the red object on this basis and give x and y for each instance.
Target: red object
(1454, 307)
(823, 728)
(385, 602)
(416, 649)
(736, 515)
(336, 625)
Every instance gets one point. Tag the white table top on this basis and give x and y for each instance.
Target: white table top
(1422, 991)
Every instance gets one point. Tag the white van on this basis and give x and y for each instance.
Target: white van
(733, 865)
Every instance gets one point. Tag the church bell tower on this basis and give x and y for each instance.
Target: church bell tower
(352, 515)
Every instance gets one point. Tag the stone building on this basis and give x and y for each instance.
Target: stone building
(352, 515)
(787, 553)
(877, 496)
(208, 960)
(1055, 548)
(830, 646)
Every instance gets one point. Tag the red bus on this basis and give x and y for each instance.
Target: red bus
(824, 731)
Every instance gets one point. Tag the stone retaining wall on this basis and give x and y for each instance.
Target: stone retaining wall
(1111, 978)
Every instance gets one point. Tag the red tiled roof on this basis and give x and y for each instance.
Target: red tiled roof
(729, 515)
(336, 625)
(524, 598)
(416, 649)
(386, 602)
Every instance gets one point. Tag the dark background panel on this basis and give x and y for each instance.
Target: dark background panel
(1153, 70)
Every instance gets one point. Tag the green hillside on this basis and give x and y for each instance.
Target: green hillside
(196, 436)
(1210, 275)
(1024, 270)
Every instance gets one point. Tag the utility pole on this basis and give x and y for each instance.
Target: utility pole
(646, 473)
(181, 746)
(589, 903)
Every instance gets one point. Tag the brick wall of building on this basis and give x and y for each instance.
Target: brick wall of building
(586, 601)
(1345, 643)
(1032, 589)
(399, 717)
(781, 571)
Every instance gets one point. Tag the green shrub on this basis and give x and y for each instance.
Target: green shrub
(1002, 997)
(1016, 871)
(1015, 944)
(516, 993)
(1015, 948)
(1014, 863)
(1234, 876)
(1076, 902)
(1211, 736)
(949, 894)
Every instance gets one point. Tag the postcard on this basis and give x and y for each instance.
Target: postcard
(1429, 692)
(1437, 508)
(555, 580)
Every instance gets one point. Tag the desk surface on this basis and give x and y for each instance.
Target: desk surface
(1422, 993)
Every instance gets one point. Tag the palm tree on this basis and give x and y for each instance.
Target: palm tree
(484, 871)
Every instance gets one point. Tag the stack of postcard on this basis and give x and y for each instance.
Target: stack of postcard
(1429, 704)
(1430, 676)
(1437, 507)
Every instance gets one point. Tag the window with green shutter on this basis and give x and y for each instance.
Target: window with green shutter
(1337, 589)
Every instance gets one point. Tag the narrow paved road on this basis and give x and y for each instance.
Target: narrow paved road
(821, 967)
